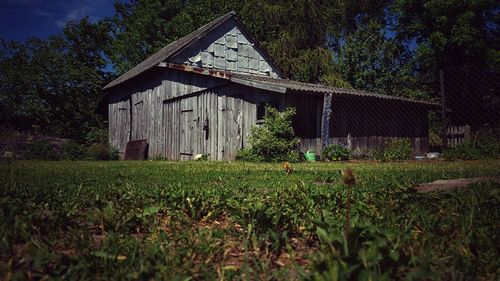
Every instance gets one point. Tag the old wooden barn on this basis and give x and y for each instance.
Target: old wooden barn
(204, 92)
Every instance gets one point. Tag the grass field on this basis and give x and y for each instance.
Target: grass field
(213, 220)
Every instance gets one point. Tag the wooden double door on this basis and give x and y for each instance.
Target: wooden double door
(207, 123)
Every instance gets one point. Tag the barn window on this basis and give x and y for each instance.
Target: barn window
(261, 110)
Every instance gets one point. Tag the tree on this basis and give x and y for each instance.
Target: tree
(461, 38)
(21, 101)
(55, 84)
(369, 60)
(449, 33)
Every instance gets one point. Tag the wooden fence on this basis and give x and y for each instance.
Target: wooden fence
(456, 135)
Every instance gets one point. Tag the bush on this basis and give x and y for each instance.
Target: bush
(248, 154)
(485, 147)
(42, 150)
(96, 135)
(273, 141)
(101, 151)
(114, 153)
(336, 152)
(73, 151)
(399, 149)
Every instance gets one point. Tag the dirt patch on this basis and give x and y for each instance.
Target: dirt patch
(441, 185)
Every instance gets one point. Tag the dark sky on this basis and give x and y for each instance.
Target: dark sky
(21, 19)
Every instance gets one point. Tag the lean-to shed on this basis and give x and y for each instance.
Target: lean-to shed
(204, 92)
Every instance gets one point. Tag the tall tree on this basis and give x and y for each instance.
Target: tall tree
(460, 38)
(368, 60)
(457, 32)
(20, 100)
(55, 84)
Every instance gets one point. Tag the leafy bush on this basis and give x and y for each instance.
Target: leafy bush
(274, 140)
(96, 135)
(485, 147)
(399, 149)
(42, 150)
(73, 151)
(336, 152)
(114, 153)
(101, 151)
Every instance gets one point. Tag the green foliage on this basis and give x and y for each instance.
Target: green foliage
(73, 151)
(114, 153)
(484, 147)
(159, 158)
(55, 84)
(399, 149)
(100, 151)
(370, 61)
(96, 135)
(42, 150)
(461, 33)
(336, 152)
(273, 141)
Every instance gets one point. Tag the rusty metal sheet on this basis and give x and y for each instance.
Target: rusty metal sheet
(136, 150)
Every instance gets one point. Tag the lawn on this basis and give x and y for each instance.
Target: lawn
(222, 220)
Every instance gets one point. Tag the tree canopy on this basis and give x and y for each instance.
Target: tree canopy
(391, 47)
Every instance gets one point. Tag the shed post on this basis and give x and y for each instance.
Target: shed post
(325, 119)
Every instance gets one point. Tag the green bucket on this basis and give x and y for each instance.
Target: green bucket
(310, 156)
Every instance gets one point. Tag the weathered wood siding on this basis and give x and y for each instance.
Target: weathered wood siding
(119, 121)
(144, 99)
(307, 120)
(364, 124)
(182, 114)
(360, 123)
(216, 122)
(227, 48)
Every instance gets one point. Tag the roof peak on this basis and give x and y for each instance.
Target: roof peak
(172, 49)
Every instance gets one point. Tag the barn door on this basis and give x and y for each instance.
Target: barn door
(122, 124)
(234, 126)
(138, 121)
(171, 133)
(188, 125)
(230, 126)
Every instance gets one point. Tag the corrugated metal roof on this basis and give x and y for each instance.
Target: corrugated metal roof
(179, 45)
(287, 86)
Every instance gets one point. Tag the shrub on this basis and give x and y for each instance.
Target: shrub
(274, 140)
(336, 152)
(114, 153)
(73, 151)
(248, 154)
(399, 149)
(485, 147)
(42, 150)
(96, 135)
(101, 151)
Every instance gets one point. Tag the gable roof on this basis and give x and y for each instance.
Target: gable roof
(182, 43)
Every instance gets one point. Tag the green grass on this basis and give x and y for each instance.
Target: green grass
(213, 220)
